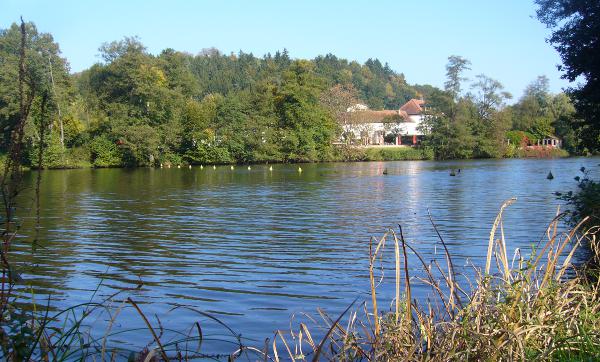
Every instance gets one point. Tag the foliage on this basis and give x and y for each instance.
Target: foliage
(585, 201)
(519, 138)
(397, 154)
(104, 152)
(467, 126)
(543, 115)
(524, 310)
(46, 73)
(454, 69)
(337, 100)
(537, 152)
(576, 25)
(175, 107)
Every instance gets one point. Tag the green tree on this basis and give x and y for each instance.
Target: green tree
(46, 75)
(454, 78)
(576, 25)
(306, 128)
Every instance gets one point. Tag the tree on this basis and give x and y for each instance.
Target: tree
(542, 114)
(532, 112)
(576, 37)
(337, 100)
(306, 128)
(487, 120)
(117, 49)
(489, 95)
(45, 74)
(454, 70)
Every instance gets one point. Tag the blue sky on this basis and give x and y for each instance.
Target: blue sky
(501, 38)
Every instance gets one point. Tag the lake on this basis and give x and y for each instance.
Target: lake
(254, 247)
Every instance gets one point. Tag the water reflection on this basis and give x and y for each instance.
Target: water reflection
(254, 246)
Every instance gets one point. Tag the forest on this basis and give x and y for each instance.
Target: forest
(136, 109)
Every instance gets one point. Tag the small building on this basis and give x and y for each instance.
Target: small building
(552, 142)
(386, 127)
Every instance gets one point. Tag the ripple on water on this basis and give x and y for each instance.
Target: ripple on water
(256, 247)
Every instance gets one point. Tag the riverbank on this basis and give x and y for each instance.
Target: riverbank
(80, 158)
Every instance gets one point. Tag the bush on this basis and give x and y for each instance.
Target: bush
(519, 138)
(204, 153)
(171, 159)
(398, 154)
(585, 202)
(56, 156)
(540, 152)
(350, 153)
(105, 153)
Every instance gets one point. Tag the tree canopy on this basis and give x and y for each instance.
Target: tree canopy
(135, 108)
(576, 37)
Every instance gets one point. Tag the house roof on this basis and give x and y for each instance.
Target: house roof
(365, 115)
(413, 107)
(385, 116)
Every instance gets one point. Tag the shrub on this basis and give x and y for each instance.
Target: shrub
(105, 153)
(398, 154)
(541, 152)
(519, 138)
(585, 202)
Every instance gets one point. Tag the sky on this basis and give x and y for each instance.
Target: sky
(502, 39)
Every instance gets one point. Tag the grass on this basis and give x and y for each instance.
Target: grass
(538, 307)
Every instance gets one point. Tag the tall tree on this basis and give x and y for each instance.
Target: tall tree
(489, 95)
(532, 112)
(454, 70)
(489, 122)
(576, 37)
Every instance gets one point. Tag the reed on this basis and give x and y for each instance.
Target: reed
(536, 307)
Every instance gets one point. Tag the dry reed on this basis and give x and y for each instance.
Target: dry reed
(538, 308)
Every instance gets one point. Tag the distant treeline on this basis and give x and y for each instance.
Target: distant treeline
(139, 109)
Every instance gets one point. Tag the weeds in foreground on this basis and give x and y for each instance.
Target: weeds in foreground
(522, 308)
(534, 307)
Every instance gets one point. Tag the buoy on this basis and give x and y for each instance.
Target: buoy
(299, 169)
(385, 171)
(270, 168)
(161, 165)
(168, 165)
(231, 167)
(214, 167)
(550, 176)
(190, 167)
(201, 167)
(178, 166)
(249, 168)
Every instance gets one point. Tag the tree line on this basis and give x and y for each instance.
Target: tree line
(138, 109)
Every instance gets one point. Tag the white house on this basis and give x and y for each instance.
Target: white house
(397, 127)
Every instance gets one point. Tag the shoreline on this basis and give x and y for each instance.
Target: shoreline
(353, 154)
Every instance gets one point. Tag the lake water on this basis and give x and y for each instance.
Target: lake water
(253, 247)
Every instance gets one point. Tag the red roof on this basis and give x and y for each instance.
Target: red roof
(412, 107)
(370, 116)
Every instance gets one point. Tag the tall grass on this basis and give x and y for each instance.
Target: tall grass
(538, 307)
